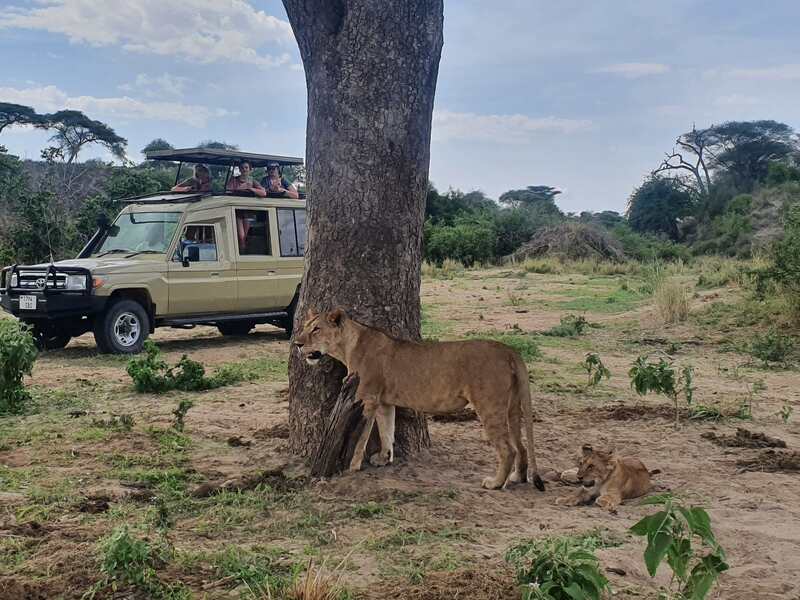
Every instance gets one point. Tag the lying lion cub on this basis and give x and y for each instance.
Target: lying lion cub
(431, 377)
(612, 479)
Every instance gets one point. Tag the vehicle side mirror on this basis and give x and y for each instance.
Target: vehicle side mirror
(190, 254)
(103, 222)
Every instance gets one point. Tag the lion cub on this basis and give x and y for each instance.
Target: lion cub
(608, 479)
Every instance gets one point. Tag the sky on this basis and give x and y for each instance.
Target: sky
(585, 96)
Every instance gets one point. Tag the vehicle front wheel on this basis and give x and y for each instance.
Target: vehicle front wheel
(122, 328)
(235, 328)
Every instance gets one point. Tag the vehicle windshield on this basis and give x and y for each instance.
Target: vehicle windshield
(140, 232)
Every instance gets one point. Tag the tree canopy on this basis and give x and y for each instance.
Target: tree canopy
(74, 130)
(657, 205)
(18, 114)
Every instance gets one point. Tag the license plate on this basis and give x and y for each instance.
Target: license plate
(27, 302)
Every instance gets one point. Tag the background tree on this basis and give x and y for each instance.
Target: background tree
(74, 130)
(540, 198)
(156, 145)
(656, 205)
(371, 70)
(691, 156)
(18, 114)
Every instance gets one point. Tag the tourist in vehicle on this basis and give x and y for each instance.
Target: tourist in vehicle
(201, 182)
(275, 183)
(244, 181)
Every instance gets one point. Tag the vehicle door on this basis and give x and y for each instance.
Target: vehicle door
(201, 275)
(292, 248)
(257, 266)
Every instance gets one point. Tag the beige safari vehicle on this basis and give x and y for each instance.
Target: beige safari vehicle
(225, 259)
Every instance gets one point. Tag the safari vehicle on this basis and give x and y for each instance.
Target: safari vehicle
(225, 259)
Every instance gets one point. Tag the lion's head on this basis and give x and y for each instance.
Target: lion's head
(322, 334)
(594, 466)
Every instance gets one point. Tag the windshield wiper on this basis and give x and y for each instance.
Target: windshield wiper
(144, 252)
(112, 251)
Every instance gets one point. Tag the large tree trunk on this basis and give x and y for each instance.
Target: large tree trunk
(371, 69)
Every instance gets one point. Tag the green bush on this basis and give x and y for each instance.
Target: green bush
(469, 240)
(524, 343)
(772, 347)
(558, 568)
(570, 326)
(17, 355)
(670, 534)
(151, 374)
(784, 270)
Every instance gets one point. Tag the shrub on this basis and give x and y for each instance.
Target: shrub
(570, 326)
(784, 270)
(151, 374)
(558, 568)
(524, 343)
(17, 355)
(660, 378)
(670, 534)
(469, 240)
(595, 369)
(672, 300)
(772, 347)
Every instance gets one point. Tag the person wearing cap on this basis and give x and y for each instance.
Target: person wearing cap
(275, 183)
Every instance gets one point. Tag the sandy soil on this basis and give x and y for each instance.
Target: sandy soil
(756, 515)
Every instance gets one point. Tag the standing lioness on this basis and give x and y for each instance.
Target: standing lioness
(431, 377)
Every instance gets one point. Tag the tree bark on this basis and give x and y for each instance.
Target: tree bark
(371, 69)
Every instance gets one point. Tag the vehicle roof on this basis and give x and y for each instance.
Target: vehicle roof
(191, 203)
(214, 156)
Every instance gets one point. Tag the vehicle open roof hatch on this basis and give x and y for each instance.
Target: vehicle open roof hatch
(214, 156)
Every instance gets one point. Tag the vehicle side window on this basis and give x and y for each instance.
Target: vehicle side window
(292, 231)
(202, 237)
(252, 231)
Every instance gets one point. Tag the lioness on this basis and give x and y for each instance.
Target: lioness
(432, 377)
(610, 479)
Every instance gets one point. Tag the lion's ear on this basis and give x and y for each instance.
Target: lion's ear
(336, 316)
(587, 450)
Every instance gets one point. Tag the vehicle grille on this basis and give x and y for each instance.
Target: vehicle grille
(35, 280)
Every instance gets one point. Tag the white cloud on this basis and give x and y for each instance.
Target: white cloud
(736, 100)
(790, 72)
(498, 128)
(161, 85)
(634, 70)
(50, 98)
(202, 31)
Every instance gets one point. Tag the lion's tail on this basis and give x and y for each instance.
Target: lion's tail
(524, 395)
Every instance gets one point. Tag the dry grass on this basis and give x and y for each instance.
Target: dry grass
(672, 300)
(316, 585)
(449, 269)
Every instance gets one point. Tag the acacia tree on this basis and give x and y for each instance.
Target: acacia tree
(18, 114)
(74, 130)
(371, 68)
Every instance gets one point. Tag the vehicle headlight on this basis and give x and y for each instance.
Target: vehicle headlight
(14, 280)
(76, 282)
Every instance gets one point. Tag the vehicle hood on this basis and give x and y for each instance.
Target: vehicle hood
(144, 263)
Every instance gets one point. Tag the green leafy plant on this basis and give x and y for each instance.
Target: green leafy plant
(17, 356)
(785, 413)
(558, 568)
(772, 347)
(180, 413)
(595, 369)
(660, 377)
(570, 326)
(683, 537)
(151, 374)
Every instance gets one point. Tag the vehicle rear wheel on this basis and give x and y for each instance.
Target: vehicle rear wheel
(288, 322)
(122, 328)
(236, 327)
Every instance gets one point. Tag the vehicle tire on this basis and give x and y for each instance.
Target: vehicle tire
(49, 341)
(288, 322)
(122, 328)
(236, 327)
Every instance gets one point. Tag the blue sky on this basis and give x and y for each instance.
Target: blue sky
(584, 95)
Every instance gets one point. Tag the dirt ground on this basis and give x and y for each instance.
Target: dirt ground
(421, 528)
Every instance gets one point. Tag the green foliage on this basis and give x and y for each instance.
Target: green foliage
(151, 374)
(671, 533)
(656, 206)
(648, 247)
(772, 347)
(784, 270)
(785, 413)
(17, 355)
(469, 240)
(660, 378)
(595, 369)
(558, 568)
(570, 326)
(179, 414)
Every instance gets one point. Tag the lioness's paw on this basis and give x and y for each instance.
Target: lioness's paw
(567, 501)
(355, 466)
(491, 484)
(381, 459)
(517, 477)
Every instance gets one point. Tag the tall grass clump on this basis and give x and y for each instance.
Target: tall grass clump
(17, 355)
(449, 269)
(672, 300)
